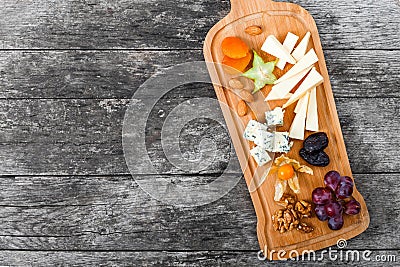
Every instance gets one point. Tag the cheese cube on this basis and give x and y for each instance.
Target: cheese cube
(260, 155)
(251, 131)
(274, 117)
(265, 140)
(281, 142)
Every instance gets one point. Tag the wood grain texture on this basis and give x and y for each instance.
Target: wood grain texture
(118, 74)
(113, 213)
(61, 137)
(166, 258)
(180, 24)
(84, 136)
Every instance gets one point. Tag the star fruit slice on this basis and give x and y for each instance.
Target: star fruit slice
(261, 72)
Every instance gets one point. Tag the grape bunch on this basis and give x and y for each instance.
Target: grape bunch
(335, 199)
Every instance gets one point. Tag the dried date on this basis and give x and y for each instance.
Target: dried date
(319, 158)
(316, 142)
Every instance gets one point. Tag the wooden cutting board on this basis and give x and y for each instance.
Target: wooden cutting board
(278, 19)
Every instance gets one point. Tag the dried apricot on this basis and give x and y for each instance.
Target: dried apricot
(238, 64)
(234, 47)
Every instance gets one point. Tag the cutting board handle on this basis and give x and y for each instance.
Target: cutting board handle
(245, 7)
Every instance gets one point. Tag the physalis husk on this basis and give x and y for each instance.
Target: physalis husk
(281, 185)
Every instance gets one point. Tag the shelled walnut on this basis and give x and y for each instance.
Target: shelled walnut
(289, 218)
(287, 200)
(304, 208)
(305, 228)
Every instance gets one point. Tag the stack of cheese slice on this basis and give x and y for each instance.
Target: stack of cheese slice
(303, 71)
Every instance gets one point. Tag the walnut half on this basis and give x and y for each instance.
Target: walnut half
(305, 228)
(304, 208)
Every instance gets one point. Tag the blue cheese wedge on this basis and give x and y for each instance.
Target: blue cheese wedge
(275, 117)
(265, 140)
(252, 130)
(281, 142)
(260, 155)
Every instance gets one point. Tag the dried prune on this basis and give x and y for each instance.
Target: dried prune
(316, 142)
(319, 158)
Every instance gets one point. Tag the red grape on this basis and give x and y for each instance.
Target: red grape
(333, 209)
(322, 196)
(331, 200)
(353, 207)
(347, 179)
(332, 180)
(321, 213)
(344, 190)
(336, 223)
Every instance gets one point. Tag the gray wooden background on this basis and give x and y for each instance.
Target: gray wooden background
(67, 71)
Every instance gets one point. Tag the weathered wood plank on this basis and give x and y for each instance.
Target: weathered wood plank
(178, 24)
(114, 213)
(62, 137)
(117, 74)
(170, 258)
(82, 136)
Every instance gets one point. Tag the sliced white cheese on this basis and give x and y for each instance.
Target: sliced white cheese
(301, 49)
(299, 122)
(272, 97)
(307, 61)
(302, 103)
(312, 80)
(274, 47)
(281, 89)
(297, 129)
(289, 43)
(312, 123)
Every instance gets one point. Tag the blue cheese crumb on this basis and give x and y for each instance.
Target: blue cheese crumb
(252, 130)
(275, 117)
(260, 155)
